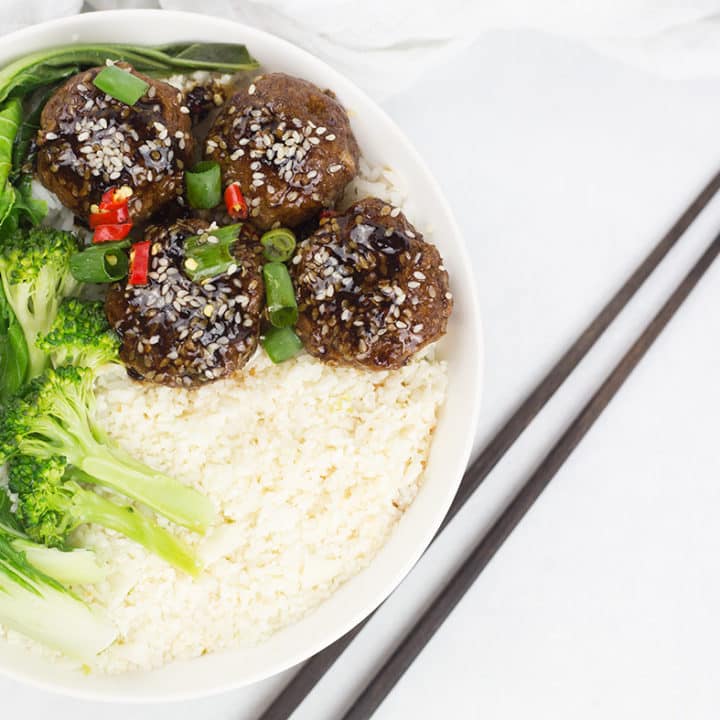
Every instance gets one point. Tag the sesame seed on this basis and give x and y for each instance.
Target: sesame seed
(330, 137)
(418, 275)
(251, 89)
(334, 168)
(184, 109)
(51, 136)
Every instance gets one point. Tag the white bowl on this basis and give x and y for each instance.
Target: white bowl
(381, 142)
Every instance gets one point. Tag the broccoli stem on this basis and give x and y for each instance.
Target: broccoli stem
(88, 507)
(56, 619)
(37, 361)
(165, 495)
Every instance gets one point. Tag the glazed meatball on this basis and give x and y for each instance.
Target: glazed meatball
(178, 332)
(288, 144)
(89, 141)
(371, 292)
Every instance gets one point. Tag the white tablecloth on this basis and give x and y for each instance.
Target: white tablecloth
(568, 168)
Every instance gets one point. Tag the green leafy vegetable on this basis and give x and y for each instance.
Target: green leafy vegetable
(14, 359)
(219, 56)
(52, 415)
(28, 128)
(47, 66)
(15, 202)
(10, 116)
(51, 504)
(36, 604)
(8, 521)
(26, 205)
(80, 336)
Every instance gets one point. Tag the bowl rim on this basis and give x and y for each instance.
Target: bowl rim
(420, 544)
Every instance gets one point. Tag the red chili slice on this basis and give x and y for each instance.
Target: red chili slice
(115, 197)
(110, 233)
(139, 263)
(235, 201)
(119, 214)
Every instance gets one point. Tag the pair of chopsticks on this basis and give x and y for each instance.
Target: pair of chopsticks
(413, 643)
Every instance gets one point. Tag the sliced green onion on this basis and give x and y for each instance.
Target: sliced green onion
(203, 186)
(120, 84)
(208, 255)
(278, 244)
(281, 344)
(280, 296)
(104, 263)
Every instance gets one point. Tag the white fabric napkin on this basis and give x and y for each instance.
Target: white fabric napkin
(386, 45)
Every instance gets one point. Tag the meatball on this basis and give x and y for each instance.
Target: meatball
(370, 291)
(89, 141)
(288, 144)
(178, 332)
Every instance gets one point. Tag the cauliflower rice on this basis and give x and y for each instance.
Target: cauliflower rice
(310, 468)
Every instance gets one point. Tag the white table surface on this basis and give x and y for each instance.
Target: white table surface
(567, 168)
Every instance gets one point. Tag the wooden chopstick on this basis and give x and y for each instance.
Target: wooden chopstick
(302, 683)
(377, 690)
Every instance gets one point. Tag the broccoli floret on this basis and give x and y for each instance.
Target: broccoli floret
(34, 602)
(35, 275)
(52, 415)
(52, 503)
(80, 336)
